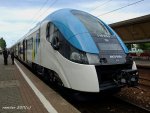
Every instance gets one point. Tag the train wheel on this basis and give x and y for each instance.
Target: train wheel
(54, 79)
(49, 75)
(58, 80)
(40, 71)
(34, 68)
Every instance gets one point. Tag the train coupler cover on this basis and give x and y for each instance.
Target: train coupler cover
(128, 77)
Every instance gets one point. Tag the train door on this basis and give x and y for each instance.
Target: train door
(23, 50)
(19, 50)
(26, 50)
(36, 45)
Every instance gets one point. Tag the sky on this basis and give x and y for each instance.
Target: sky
(17, 17)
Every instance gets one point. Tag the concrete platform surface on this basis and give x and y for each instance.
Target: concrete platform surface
(143, 63)
(17, 96)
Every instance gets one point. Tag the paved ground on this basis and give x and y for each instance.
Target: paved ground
(16, 96)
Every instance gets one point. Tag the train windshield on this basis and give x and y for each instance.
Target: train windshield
(93, 25)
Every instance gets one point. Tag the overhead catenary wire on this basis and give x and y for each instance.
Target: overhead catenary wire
(35, 15)
(48, 8)
(100, 5)
(33, 22)
(43, 12)
(120, 8)
(40, 9)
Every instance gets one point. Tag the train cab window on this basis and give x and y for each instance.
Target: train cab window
(93, 25)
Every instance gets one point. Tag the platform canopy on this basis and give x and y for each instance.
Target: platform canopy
(135, 30)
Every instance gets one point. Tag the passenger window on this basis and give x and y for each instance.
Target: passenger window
(30, 43)
(37, 39)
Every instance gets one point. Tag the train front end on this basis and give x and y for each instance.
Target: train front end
(114, 67)
(97, 52)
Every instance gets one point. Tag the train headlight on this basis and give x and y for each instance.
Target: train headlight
(93, 58)
(79, 57)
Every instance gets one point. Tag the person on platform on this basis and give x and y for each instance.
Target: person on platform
(12, 57)
(5, 55)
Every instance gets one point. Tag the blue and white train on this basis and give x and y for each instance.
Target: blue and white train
(78, 51)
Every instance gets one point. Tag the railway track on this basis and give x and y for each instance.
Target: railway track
(110, 104)
(146, 79)
(136, 105)
(144, 82)
(144, 88)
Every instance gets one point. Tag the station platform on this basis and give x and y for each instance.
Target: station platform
(142, 63)
(23, 92)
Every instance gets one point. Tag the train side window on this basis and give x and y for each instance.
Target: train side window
(37, 39)
(30, 44)
(50, 31)
(55, 37)
(47, 31)
(64, 47)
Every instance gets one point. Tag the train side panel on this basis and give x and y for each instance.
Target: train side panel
(48, 58)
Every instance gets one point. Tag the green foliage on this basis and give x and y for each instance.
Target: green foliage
(2, 43)
(144, 46)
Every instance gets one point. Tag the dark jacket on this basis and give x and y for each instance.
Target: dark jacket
(5, 53)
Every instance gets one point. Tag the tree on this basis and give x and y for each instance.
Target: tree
(2, 43)
(144, 46)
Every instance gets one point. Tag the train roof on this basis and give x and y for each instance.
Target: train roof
(72, 29)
